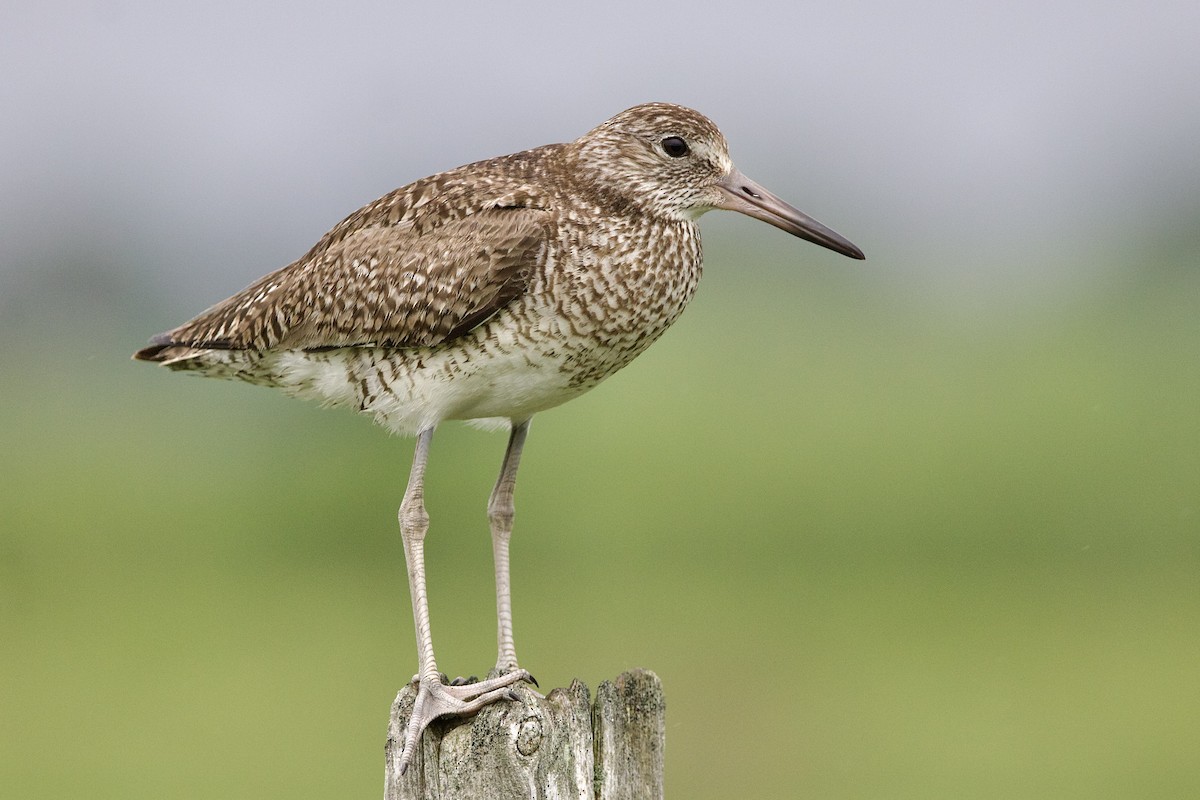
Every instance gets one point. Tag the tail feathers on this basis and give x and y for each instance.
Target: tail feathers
(166, 351)
(157, 350)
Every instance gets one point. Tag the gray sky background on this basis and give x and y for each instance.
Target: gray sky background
(979, 153)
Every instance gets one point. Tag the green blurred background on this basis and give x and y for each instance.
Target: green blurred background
(926, 526)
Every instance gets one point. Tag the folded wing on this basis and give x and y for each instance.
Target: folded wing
(397, 285)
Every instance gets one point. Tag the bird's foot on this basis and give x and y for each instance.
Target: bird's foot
(454, 699)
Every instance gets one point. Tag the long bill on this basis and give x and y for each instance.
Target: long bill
(739, 193)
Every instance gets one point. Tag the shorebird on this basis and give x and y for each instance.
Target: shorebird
(488, 293)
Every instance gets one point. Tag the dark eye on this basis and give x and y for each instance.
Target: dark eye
(675, 147)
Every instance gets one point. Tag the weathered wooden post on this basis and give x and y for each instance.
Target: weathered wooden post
(558, 746)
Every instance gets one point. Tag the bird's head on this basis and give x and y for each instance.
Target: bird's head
(672, 161)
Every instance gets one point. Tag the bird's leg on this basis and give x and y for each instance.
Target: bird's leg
(500, 518)
(434, 698)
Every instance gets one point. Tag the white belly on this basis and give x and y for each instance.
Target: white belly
(410, 390)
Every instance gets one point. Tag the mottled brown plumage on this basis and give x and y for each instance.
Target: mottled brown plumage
(489, 292)
(417, 267)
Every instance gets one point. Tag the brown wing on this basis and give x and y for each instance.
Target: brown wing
(395, 285)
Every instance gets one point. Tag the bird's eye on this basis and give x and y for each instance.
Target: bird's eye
(675, 147)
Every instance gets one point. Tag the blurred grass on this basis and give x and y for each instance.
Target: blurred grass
(873, 550)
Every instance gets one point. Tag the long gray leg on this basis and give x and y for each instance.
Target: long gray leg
(434, 698)
(414, 524)
(500, 518)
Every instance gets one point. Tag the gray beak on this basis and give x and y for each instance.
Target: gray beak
(739, 193)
